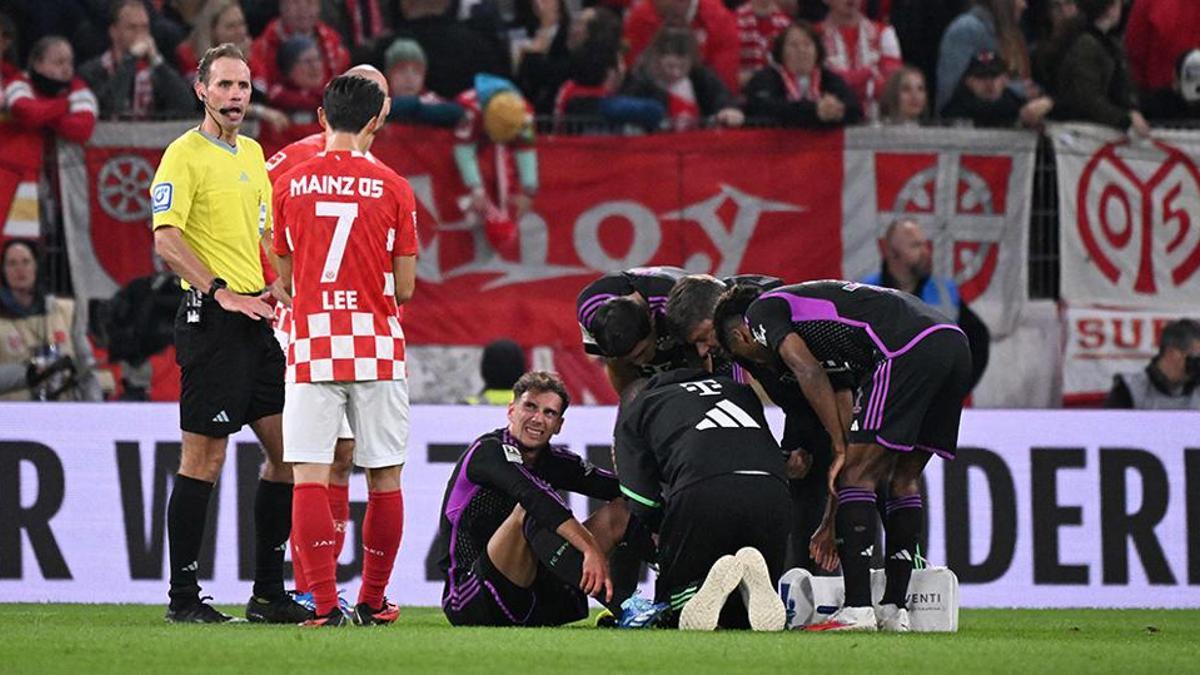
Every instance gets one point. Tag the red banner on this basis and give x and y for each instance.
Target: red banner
(720, 203)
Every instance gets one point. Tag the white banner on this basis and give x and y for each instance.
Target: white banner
(970, 190)
(1042, 509)
(1101, 343)
(1129, 217)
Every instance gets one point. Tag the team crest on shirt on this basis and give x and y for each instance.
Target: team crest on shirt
(760, 335)
(161, 196)
(512, 454)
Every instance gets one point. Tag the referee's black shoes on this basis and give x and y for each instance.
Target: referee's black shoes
(198, 611)
(276, 610)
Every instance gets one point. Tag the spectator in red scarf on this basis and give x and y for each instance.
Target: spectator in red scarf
(758, 22)
(795, 90)
(860, 51)
(131, 79)
(713, 26)
(296, 18)
(671, 73)
(50, 100)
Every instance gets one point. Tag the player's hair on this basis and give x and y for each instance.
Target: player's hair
(350, 102)
(1179, 335)
(620, 324)
(541, 382)
(691, 301)
(227, 50)
(731, 309)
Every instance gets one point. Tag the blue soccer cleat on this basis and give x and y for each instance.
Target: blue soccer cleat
(639, 612)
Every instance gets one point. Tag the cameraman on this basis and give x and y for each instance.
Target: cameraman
(44, 351)
(1172, 379)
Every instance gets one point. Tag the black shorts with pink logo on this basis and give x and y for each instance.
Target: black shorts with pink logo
(914, 400)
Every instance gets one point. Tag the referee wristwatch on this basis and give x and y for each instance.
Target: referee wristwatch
(217, 284)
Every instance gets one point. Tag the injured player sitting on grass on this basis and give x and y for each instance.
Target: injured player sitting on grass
(512, 552)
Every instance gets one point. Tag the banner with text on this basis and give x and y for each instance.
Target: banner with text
(794, 204)
(1041, 509)
(1101, 343)
(1129, 217)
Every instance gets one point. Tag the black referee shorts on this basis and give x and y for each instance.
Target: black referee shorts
(915, 400)
(231, 368)
(716, 517)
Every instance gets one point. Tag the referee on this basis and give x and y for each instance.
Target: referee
(211, 200)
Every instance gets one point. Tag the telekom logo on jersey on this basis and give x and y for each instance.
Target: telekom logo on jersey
(731, 240)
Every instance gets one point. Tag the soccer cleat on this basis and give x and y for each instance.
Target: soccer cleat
(283, 609)
(639, 612)
(605, 619)
(796, 591)
(892, 619)
(849, 619)
(199, 611)
(336, 618)
(366, 615)
(305, 600)
(704, 608)
(763, 605)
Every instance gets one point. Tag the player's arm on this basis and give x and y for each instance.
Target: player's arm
(637, 469)
(404, 270)
(819, 392)
(569, 471)
(493, 466)
(404, 251)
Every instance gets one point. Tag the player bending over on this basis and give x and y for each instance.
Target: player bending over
(805, 444)
(913, 370)
(700, 467)
(345, 236)
(621, 316)
(511, 551)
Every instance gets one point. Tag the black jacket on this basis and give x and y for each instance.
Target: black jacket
(766, 101)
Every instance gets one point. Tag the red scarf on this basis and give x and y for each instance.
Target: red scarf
(571, 90)
(792, 87)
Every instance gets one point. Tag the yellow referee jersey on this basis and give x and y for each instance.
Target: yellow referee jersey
(220, 199)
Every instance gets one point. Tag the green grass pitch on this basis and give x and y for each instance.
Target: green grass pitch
(134, 639)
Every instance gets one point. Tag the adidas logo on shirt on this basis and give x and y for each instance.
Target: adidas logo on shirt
(727, 415)
(221, 417)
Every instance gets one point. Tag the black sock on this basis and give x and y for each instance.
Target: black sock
(903, 527)
(272, 525)
(856, 540)
(187, 510)
(562, 559)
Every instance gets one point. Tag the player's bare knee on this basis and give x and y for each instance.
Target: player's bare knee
(383, 479)
(904, 486)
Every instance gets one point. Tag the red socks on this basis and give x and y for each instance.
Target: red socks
(339, 507)
(314, 541)
(382, 529)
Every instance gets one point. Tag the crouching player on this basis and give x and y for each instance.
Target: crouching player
(345, 237)
(511, 551)
(699, 465)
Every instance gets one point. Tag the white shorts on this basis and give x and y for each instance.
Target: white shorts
(377, 412)
(282, 317)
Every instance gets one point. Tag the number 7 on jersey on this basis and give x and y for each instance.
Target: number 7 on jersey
(346, 213)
